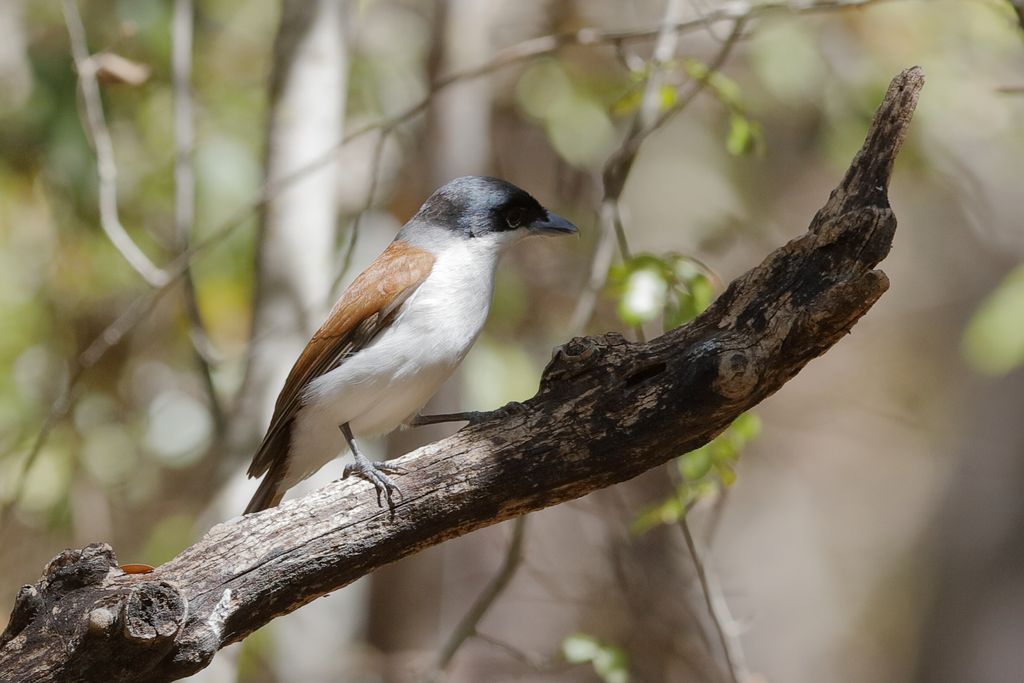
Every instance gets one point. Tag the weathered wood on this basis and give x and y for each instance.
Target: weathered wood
(607, 410)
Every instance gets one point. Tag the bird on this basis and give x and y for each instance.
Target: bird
(395, 335)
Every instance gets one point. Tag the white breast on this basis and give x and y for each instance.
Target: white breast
(382, 385)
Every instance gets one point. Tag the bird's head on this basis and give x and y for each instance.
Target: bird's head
(493, 211)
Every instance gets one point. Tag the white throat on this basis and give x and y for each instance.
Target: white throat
(456, 296)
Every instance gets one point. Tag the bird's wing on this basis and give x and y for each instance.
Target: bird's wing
(362, 312)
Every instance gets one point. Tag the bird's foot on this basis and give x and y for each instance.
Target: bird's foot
(376, 473)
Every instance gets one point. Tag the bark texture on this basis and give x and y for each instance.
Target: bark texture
(607, 410)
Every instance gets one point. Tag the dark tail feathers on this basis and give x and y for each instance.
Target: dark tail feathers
(268, 495)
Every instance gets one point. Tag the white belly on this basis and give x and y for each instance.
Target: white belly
(381, 386)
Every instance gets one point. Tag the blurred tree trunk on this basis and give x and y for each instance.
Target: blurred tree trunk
(15, 74)
(297, 232)
(295, 264)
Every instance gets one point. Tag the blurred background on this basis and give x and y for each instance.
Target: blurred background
(184, 189)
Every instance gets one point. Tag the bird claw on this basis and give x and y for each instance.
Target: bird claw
(376, 474)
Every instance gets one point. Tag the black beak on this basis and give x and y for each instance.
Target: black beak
(553, 224)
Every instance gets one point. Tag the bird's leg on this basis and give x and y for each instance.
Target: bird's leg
(472, 417)
(373, 472)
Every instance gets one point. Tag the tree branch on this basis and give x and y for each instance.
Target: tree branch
(606, 411)
(718, 610)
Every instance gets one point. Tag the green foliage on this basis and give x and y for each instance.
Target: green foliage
(673, 287)
(629, 102)
(704, 472)
(745, 136)
(610, 662)
(993, 342)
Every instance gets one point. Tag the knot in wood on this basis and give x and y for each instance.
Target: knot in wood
(153, 613)
(567, 359)
(578, 350)
(737, 375)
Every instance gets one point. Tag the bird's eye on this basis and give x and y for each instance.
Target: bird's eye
(514, 218)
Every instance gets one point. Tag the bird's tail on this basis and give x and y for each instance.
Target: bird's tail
(269, 493)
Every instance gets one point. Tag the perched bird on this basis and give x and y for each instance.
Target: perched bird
(396, 334)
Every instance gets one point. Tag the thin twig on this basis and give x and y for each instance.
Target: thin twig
(184, 194)
(537, 662)
(695, 87)
(468, 624)
(58, 410)
(371, 197)
(62, 404)
(617, 171)
(664, 50)
(715, 516)
(600, 262)
(718, 610)
(106, 168)
(665, 47)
